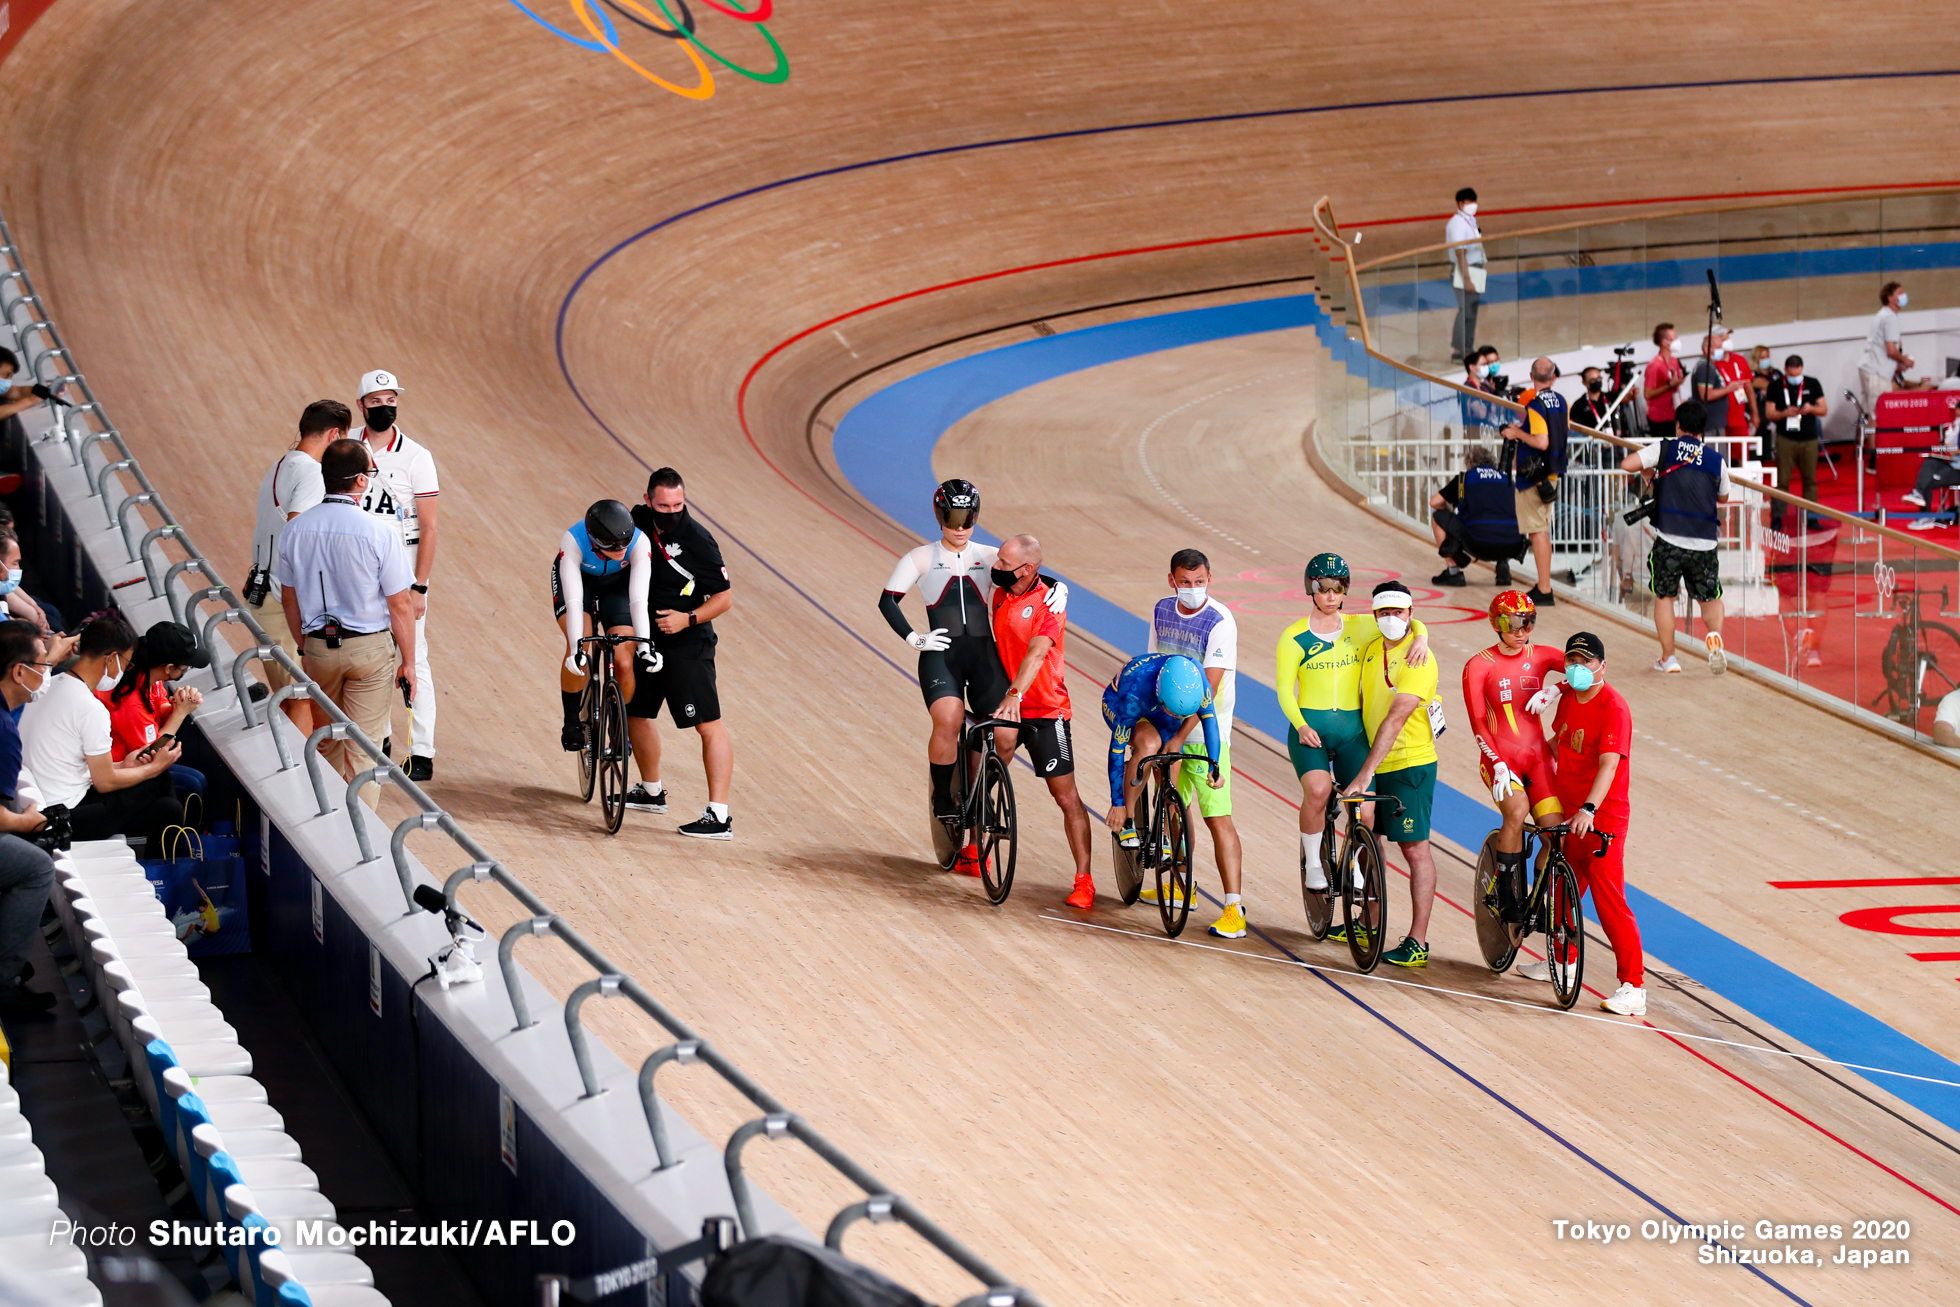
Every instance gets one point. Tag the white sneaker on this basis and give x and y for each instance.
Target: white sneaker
(1718, 660)
(1914, 498)
(1668, 664)
(1627, 1000)
(1540, 970)
(1924, 524)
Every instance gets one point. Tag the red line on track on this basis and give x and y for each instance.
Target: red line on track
(1878, 882)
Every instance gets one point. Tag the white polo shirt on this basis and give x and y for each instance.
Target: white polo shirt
(408, 473)
(292, 486)
(58, 735)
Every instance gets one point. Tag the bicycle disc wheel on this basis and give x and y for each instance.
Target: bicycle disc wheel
(613, 753)
(1319, 902)
(997, 829)
(1565, 936)
(1362, 906)
(945, 846)
(1174, 887)
(1128, 863)
(588, 726)
(1493, 936)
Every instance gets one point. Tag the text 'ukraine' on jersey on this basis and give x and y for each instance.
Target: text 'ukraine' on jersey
(956, 587)
(1496, 688)
(1018, 620)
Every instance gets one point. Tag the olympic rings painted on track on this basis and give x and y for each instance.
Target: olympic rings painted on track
(681, 29)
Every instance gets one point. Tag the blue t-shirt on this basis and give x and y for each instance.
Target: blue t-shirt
(9, 755)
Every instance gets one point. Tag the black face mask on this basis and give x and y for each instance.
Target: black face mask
(381, 417)
(669, 521)
(1594, 387)
(1006, 577)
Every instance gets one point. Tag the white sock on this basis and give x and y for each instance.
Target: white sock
(719, 810)
(655, 788)
(1233, 900)
(1310, 850)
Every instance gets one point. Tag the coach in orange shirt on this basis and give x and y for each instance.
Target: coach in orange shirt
(1029, 638)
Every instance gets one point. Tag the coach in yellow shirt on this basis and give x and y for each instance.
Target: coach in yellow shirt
(1401, 763)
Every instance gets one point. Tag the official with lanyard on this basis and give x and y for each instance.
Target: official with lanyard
(344, 584)
(687, 588)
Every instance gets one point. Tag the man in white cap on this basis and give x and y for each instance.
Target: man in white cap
(405, 492)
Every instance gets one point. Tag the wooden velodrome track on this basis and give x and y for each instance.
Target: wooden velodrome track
(237, 208)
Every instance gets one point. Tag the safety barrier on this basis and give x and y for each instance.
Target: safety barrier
(1805, 584)
(310, 845)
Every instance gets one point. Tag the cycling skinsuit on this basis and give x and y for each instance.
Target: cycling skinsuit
(956, 588)
(1496, 688)
(1320, 686)
(1131, 698)
(1045, 709)
(613, 587)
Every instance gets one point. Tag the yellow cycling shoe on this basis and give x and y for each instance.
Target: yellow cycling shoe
(1231, 925)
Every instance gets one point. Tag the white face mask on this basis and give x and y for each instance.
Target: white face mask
(1794, 378)
(34, 695)
(1471, 210)
(1718, 354)
(1191, 596)
(108, 681)
(1902, 299)
(1393, 628)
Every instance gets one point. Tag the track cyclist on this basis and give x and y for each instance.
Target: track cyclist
(1517, 762)
(957, 657)
(1144, 706)
(1320, 692)
(608, 556)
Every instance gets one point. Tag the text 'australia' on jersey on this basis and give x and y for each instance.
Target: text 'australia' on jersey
(956, 587)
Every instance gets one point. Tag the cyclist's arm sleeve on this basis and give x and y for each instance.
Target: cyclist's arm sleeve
(1477, 707)
(1290, 658)
(903, 578)
(639, 572)
(1119, 748)
(571, 585)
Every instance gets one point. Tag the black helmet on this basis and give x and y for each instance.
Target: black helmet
(609, 525)
(956, 504)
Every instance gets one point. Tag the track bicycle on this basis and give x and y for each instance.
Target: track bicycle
(1550, 908)
(1163, 851)
(1915, 647)
(987, 824)
(603, 747)
(1351, 866)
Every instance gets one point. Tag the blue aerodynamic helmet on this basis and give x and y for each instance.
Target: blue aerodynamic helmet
(1180, 686)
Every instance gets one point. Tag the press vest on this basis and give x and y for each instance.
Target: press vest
(1689, 479)
(1488, 508)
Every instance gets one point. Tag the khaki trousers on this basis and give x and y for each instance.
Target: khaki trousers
(271, 616)
(359, 677)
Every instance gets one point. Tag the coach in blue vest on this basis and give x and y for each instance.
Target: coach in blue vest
(1476, 516)
(1690, 479)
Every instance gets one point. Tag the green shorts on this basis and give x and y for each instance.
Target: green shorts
(1416, 788)
(1193, 784)
(1343, 744)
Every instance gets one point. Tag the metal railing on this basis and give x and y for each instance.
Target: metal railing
(41, 345)
(1803, 582)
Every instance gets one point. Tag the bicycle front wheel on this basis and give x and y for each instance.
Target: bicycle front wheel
(613, 752)
(1362, 892)
(997, 828)
(1173, 860)
(588, 725)
(1565, 935)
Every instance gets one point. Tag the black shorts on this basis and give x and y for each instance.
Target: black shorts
(1669, 565)
(1048, 744)
(686, 685)
(605, 595)
(970, 669)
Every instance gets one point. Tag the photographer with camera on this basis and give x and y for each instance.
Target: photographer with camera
(289, 488)
(1475, 516)
(1535, 454)
(26, 870)
(1690, 479)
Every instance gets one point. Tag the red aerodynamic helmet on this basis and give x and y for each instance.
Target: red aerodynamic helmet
(1513, 610)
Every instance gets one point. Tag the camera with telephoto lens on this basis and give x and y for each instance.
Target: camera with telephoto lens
(1646, 508)
(258, 584)
(57, 833)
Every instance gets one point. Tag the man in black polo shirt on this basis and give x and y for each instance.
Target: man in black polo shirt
(1475, 516)
(687, 588)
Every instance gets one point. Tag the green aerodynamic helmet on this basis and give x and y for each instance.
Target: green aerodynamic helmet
(1321, 565)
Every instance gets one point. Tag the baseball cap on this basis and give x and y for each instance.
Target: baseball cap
(1393, 594)
(172, 642)
(1586, 645)
(379, 379)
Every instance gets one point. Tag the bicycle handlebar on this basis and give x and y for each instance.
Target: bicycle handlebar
(1166, 759)
(1563, 829)
(614, 639)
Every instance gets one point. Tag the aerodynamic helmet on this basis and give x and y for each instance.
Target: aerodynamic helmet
(1180, 686)
(609, 525)
(956, 504)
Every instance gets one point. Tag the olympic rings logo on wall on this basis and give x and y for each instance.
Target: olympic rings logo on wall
(680, 29)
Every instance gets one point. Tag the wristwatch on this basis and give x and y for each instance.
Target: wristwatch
(1589, 807)
(418, 589)
(690, 619)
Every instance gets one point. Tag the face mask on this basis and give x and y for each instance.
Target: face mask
(1491, 371)
(34, 695)
(1579, 676)
(12, 583)
(1393, 628)
(1595, 385)
(1471, 209)
(1903, 297)
(1718, 354)
(670, 521)
(1794, 378)
(1191, 596)
(108, 681)
(1006, 577)
(381, 417)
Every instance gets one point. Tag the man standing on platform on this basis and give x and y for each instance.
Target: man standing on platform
(1794, 403)
(687, 588)
(404, 493)
(1663, 379)
(1691, 478)
(1725, 387)
(291, 486)
(1467, 272)
(1885, 353)
(1536, 474)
